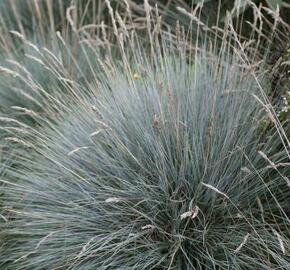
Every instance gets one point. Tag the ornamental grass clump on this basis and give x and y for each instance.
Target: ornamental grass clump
(159, 161)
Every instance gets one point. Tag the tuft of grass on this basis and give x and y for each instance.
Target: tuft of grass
(156, 159)
(159, 164)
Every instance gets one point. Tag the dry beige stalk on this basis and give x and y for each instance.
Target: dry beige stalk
(216, 190)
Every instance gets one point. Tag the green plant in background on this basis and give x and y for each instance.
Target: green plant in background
(273, 4)
(281, 84)
(285, 107)
(286, 102)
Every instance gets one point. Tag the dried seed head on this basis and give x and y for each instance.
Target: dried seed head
(216, 190)
(113, 200)
(280, 240)
(190, 214)
(156, 123)
(148, 227)
(243, 243)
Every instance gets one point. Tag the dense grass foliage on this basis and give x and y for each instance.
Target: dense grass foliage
(120, 154)
(162, 169)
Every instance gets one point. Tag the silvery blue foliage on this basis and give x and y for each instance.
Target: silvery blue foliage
(160, 164)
